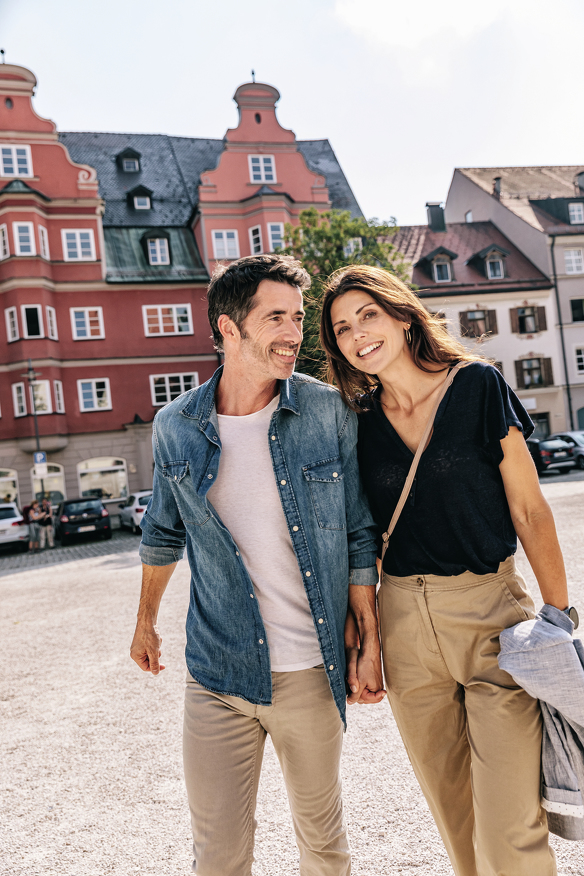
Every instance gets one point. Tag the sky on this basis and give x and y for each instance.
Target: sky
(404, 92)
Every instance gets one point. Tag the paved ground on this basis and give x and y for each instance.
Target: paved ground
(91, 781)
(121, 541)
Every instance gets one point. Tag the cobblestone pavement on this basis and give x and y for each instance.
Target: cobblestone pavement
(91, 781)
(120, 542)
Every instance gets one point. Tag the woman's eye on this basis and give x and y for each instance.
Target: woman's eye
(341, 330)
(370, 313)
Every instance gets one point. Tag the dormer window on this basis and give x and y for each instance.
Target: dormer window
(128, 160)
(141, 202)
(262, 169)
(158, 251)
(442, 272)
(140, 198)
(495, 269)
(131, 165)
(576, 211)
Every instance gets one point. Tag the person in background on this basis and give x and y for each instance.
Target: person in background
(449, 583)
(34, 517)
(46, 524)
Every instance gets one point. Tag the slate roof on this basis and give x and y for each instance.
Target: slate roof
(467, 240)
(171, 167)
(525, 190)
(127, 263)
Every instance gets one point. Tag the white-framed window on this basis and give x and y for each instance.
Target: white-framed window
(44, 242)
(4, 245)
(53, 483)
(495, 269)
(23, 233)
(52, 323)
(40, 394)
(255, 239)
(355, 244)
(94, 394)
(225, 244)
(78, 245)
(141, 202)
(468, 216)
(442, 273)
(16, 161)
(262, 168)
(276, 232)
(9, 484)
(103, 477)
(32, 320)
(576, 212)
(580, 360)
(158, 253)
(166, 387)
(59, 396)
(87, 323)
(131, 165)
(10, 314)
(167, 319)
(19, 399)
(574, 261)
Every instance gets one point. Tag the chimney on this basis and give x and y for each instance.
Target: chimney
(435, 212)
(580, 183)
(497, 186)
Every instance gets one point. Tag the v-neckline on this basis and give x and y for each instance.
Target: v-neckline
(393, 431)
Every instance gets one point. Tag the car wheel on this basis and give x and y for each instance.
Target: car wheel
(580, 460)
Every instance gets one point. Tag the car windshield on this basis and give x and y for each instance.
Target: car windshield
(81, 507)
(7, 513)
(555, 444)
(143, 500)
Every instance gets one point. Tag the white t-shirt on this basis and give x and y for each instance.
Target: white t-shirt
(245, 495)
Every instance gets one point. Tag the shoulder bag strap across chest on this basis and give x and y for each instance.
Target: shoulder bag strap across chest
(414, 466)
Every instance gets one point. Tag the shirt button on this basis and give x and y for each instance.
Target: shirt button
(214, 437)
(273, 437)
(236, 553)
(307, 574)
(176, 478)
(320, 620)
(335, 474)
(294, 529)
(251, 595)
(331, 667)
(283, 483)
(261, 641)
(210, 477)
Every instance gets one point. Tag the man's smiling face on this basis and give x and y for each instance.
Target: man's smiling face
(271, 334)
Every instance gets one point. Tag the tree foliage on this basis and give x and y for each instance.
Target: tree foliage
(324, 242)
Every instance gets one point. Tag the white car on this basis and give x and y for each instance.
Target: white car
(132, 510)
(13, 529)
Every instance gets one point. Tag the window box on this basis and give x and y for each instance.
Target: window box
(94, 394)
(87, 323)
(78, 245)
(225, 244)
(23, 233)
(262, 168)
(166, 387)
(32, 320)
(16, 161)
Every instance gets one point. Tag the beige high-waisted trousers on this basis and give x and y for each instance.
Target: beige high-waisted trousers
(472, 735)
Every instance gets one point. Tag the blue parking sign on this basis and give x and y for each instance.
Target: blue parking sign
(40, 457)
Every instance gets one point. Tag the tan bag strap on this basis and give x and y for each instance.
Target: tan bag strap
(414, 466)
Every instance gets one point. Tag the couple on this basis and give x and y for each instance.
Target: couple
(267, 476)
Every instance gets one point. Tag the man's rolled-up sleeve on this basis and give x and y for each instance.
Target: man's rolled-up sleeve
(361, 530)
(163, 531)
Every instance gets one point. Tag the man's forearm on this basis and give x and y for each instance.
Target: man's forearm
(154, 582)
(363, 606)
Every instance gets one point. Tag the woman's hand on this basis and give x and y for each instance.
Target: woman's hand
(364, 675)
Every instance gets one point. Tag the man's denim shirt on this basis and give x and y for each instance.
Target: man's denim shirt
(312, 439)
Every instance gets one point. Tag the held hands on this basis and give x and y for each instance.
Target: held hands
(145, 649)
(364, 676)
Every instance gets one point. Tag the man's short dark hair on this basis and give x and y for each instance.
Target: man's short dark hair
(233, 287)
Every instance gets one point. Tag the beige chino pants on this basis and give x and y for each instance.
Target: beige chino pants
(223, 745)
(472, 735)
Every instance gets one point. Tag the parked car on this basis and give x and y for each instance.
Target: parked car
(576, 440)
(13, 527)
(551, 453)
(132, 510)
(77, 517)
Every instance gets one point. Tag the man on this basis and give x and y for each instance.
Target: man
(256, 471)
(46, 523)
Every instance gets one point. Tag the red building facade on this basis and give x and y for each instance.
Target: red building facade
(106, 246)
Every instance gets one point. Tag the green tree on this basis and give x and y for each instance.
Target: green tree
(324, 242)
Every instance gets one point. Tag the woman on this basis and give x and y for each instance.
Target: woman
(34, 517)
(449, 583)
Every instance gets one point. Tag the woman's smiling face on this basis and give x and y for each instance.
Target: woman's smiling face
(367, 336)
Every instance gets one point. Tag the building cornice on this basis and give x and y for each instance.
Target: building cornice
(92, 363)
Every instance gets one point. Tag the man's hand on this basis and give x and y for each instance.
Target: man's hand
(364, 677)
(363, 652)
(145, 649)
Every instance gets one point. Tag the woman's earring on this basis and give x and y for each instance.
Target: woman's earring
(408, 335)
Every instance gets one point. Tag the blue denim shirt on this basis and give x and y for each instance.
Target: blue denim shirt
(542, 656)
(313, 444)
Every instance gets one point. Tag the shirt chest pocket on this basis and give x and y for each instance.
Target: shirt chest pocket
(192, 509)
(327, 491)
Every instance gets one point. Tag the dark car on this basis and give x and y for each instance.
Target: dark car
(79, 517)
(576, 440)
(551, 453)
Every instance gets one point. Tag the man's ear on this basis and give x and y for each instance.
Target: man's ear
(228, 329)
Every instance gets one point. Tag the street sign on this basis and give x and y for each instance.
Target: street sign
(41, 469)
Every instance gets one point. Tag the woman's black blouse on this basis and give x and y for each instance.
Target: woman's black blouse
(457, 517)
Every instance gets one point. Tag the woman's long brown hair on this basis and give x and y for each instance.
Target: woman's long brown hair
(431, 345)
